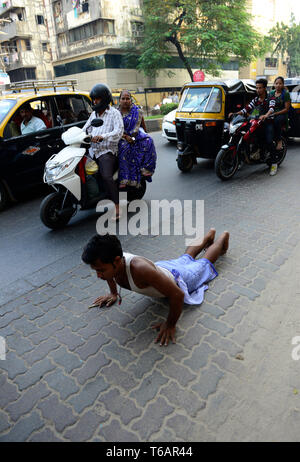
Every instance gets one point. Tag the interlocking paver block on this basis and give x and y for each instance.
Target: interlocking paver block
(57, 412)
(4, 423)
(25, 327)
(120, 354)
(55, 300)
(193, 336)
(92, 346)
(216, 325)
(87, 396)
(118, 333)
(68, 338)
(221, 343)
(69, 361)
(74, 307)
(120, 317)
(109, 432)
(120, 405)
(178, 372)
(27, 401)
(182, 398)
(207, 384)
(23, 429)
(49, 317)
(232, 365)
(117, 376)
(41, 351)
(235, 315)
(20, 344)
(6, 319)
(45, 332)
(141, 323)
(91, 367)
(13, 365)
(45, 436)
(200, 357)
(62, 383)
(148, 388)
(153, 418)
(9, 392)
(85, 428)
(34, 374)
(146, 363)
(227, 299)
(186, 429)
(94, 327)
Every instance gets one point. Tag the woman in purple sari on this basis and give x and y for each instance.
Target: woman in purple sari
(137, 155)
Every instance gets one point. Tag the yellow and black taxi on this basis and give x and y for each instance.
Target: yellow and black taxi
(293, 86)
(201, 116)
(25, 146)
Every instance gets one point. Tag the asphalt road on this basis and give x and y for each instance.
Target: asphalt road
(28, 247)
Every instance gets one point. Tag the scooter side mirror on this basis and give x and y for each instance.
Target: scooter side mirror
(97, 122)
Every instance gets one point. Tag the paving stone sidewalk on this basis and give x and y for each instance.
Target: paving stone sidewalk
(73, 374)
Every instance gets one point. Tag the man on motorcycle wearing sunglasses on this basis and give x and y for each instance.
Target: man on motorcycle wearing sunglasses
(263, 106)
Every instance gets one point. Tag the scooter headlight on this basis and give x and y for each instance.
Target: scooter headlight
(233, 127)
(52, 171)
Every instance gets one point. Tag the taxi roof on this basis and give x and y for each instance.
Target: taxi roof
(30, 95)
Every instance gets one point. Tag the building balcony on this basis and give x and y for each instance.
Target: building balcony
(16, 29)
(88, 45)
(8, 5)
(20, 59)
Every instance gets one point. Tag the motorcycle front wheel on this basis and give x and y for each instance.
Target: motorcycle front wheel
(51, 212)
(226, 164)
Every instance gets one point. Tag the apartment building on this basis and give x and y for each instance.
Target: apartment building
(87, 38)
(266, 13)
(24, 40)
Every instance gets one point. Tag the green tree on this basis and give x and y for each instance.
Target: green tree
(204, 33)
(285, 40)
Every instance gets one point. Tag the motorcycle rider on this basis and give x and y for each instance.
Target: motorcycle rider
(105, 139)
(263, 106)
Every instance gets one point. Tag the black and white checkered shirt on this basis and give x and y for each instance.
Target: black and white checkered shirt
(111, 131)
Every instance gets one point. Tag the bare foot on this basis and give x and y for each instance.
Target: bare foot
(209, 238)
(225, 238)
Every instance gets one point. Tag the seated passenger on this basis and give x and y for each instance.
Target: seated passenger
(137, 155)
(30, 123)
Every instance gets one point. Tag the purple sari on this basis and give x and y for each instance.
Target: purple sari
(138, 159)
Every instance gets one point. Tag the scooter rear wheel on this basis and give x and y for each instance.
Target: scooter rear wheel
(226, 164)
(136, 193)
(50, 211)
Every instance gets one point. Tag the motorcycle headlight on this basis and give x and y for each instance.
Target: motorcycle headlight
(233, 128)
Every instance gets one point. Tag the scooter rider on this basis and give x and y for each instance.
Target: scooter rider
(264, 107)
(105, 139)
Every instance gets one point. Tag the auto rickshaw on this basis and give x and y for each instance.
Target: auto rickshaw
(201, 117)
(293, 86)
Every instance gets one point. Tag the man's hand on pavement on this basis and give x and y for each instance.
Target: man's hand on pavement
(106, 300)
(165, 333)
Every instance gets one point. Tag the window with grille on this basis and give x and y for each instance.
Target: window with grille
(271, 62)
(137, 29)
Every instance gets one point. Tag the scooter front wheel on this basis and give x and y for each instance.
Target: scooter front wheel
(51, 212)
(226, 163)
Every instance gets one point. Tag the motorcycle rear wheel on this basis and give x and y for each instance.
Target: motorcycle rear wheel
(226, 164)
(50, 208)
(281, 154)
(136, 193)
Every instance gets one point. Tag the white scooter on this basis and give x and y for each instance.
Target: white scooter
(75, 183)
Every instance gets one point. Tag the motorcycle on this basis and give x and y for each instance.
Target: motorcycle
(246, 145)
(73, 175)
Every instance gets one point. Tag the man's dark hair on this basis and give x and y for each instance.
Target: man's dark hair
(263, 81)
(26, 106)
(106, 248)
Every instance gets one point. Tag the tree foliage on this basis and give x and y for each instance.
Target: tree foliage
(285, 40)
(205, 32)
